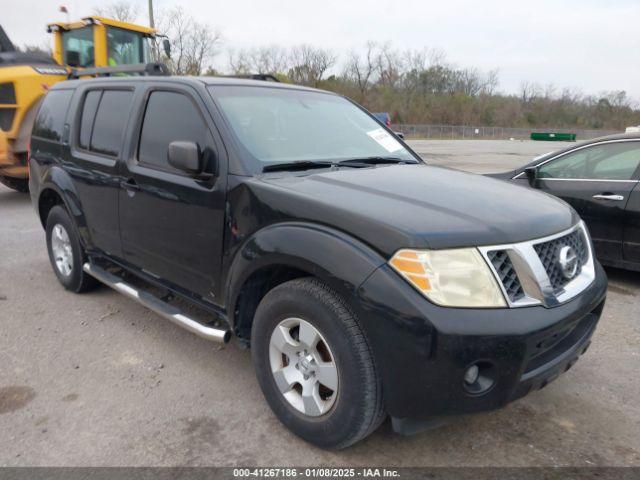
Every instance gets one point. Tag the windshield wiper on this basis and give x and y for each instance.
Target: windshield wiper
(299, 165)
(351, 162)
(374, 161)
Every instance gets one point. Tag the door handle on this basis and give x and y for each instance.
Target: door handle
(609, 196)
(131, 186)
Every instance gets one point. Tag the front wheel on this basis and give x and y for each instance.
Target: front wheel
(314, 364)
(65, 252)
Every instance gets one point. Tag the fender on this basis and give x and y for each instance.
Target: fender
(56, 179)
(337, 258)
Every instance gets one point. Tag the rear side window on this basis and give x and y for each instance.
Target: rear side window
(50, 121)
(89, 109)
(169, 117)
(109, 122)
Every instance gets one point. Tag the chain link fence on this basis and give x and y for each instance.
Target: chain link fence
(460, 132)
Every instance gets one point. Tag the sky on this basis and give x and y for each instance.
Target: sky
(589, 45)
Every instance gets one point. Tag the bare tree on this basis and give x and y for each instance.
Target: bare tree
(309, 64)
(193, 43)
(121, 10)
(550, 91)
(618, 99)
(390, 66)
(239, 61)
(270, 59)
(361, 71)
(529, 91)
(491, 82)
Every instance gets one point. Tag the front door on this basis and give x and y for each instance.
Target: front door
(597, 181)
(171, 222)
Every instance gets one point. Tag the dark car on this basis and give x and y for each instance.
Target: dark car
(366, 282)
(599, 178)
(383, 117)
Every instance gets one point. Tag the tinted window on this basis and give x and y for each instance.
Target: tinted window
(88, 115)
(52, 113)
(612, 161)
(111, 119)
(170, 117)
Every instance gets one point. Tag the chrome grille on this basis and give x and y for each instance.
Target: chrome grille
(507, 274)
(529, 272)
(549, 251)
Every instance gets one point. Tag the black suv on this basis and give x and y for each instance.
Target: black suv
(366, 282)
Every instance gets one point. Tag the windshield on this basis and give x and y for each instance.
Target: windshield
(276, 125)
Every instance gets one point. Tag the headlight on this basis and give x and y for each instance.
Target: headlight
(452, 278)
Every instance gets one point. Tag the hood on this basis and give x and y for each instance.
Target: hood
(417, 206)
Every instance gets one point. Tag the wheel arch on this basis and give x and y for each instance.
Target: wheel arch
(56, 188)
(290, 250)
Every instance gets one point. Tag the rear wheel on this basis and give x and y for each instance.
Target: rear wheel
(314, 364)
(18, 184)
(65, 252)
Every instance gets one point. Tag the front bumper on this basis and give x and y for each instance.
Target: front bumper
(422, 351)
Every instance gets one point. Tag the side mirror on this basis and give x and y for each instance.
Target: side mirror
(166, 45)
(185, 156)
(532, 175)
(399, 135)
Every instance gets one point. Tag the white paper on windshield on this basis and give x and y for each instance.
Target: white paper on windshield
(385, 140)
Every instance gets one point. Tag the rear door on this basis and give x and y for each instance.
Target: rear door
(171, 223)
(96, 145)
(597, 181)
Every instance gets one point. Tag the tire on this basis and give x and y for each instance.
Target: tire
(339, 417)
(65, 252)
(18, 184)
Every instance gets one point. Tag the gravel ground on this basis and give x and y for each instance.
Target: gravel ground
(97, 380)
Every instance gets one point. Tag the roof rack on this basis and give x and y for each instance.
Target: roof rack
(265, 77)
(151, 69)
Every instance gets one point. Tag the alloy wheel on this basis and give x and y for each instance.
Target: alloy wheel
(62, 250)
(303, 367)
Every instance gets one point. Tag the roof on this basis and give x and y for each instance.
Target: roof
(209, 81)
(223, 80)
(103, 20)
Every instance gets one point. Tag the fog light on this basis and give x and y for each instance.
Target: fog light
(479, 378)
(471, 375)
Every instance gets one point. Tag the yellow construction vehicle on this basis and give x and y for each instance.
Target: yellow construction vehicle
(79, 47)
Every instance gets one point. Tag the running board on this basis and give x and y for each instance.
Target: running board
(163, 309)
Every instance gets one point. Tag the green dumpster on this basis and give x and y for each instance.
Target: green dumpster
(553, 136)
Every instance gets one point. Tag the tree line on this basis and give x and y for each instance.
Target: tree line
(421, 87)
(416, 86)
